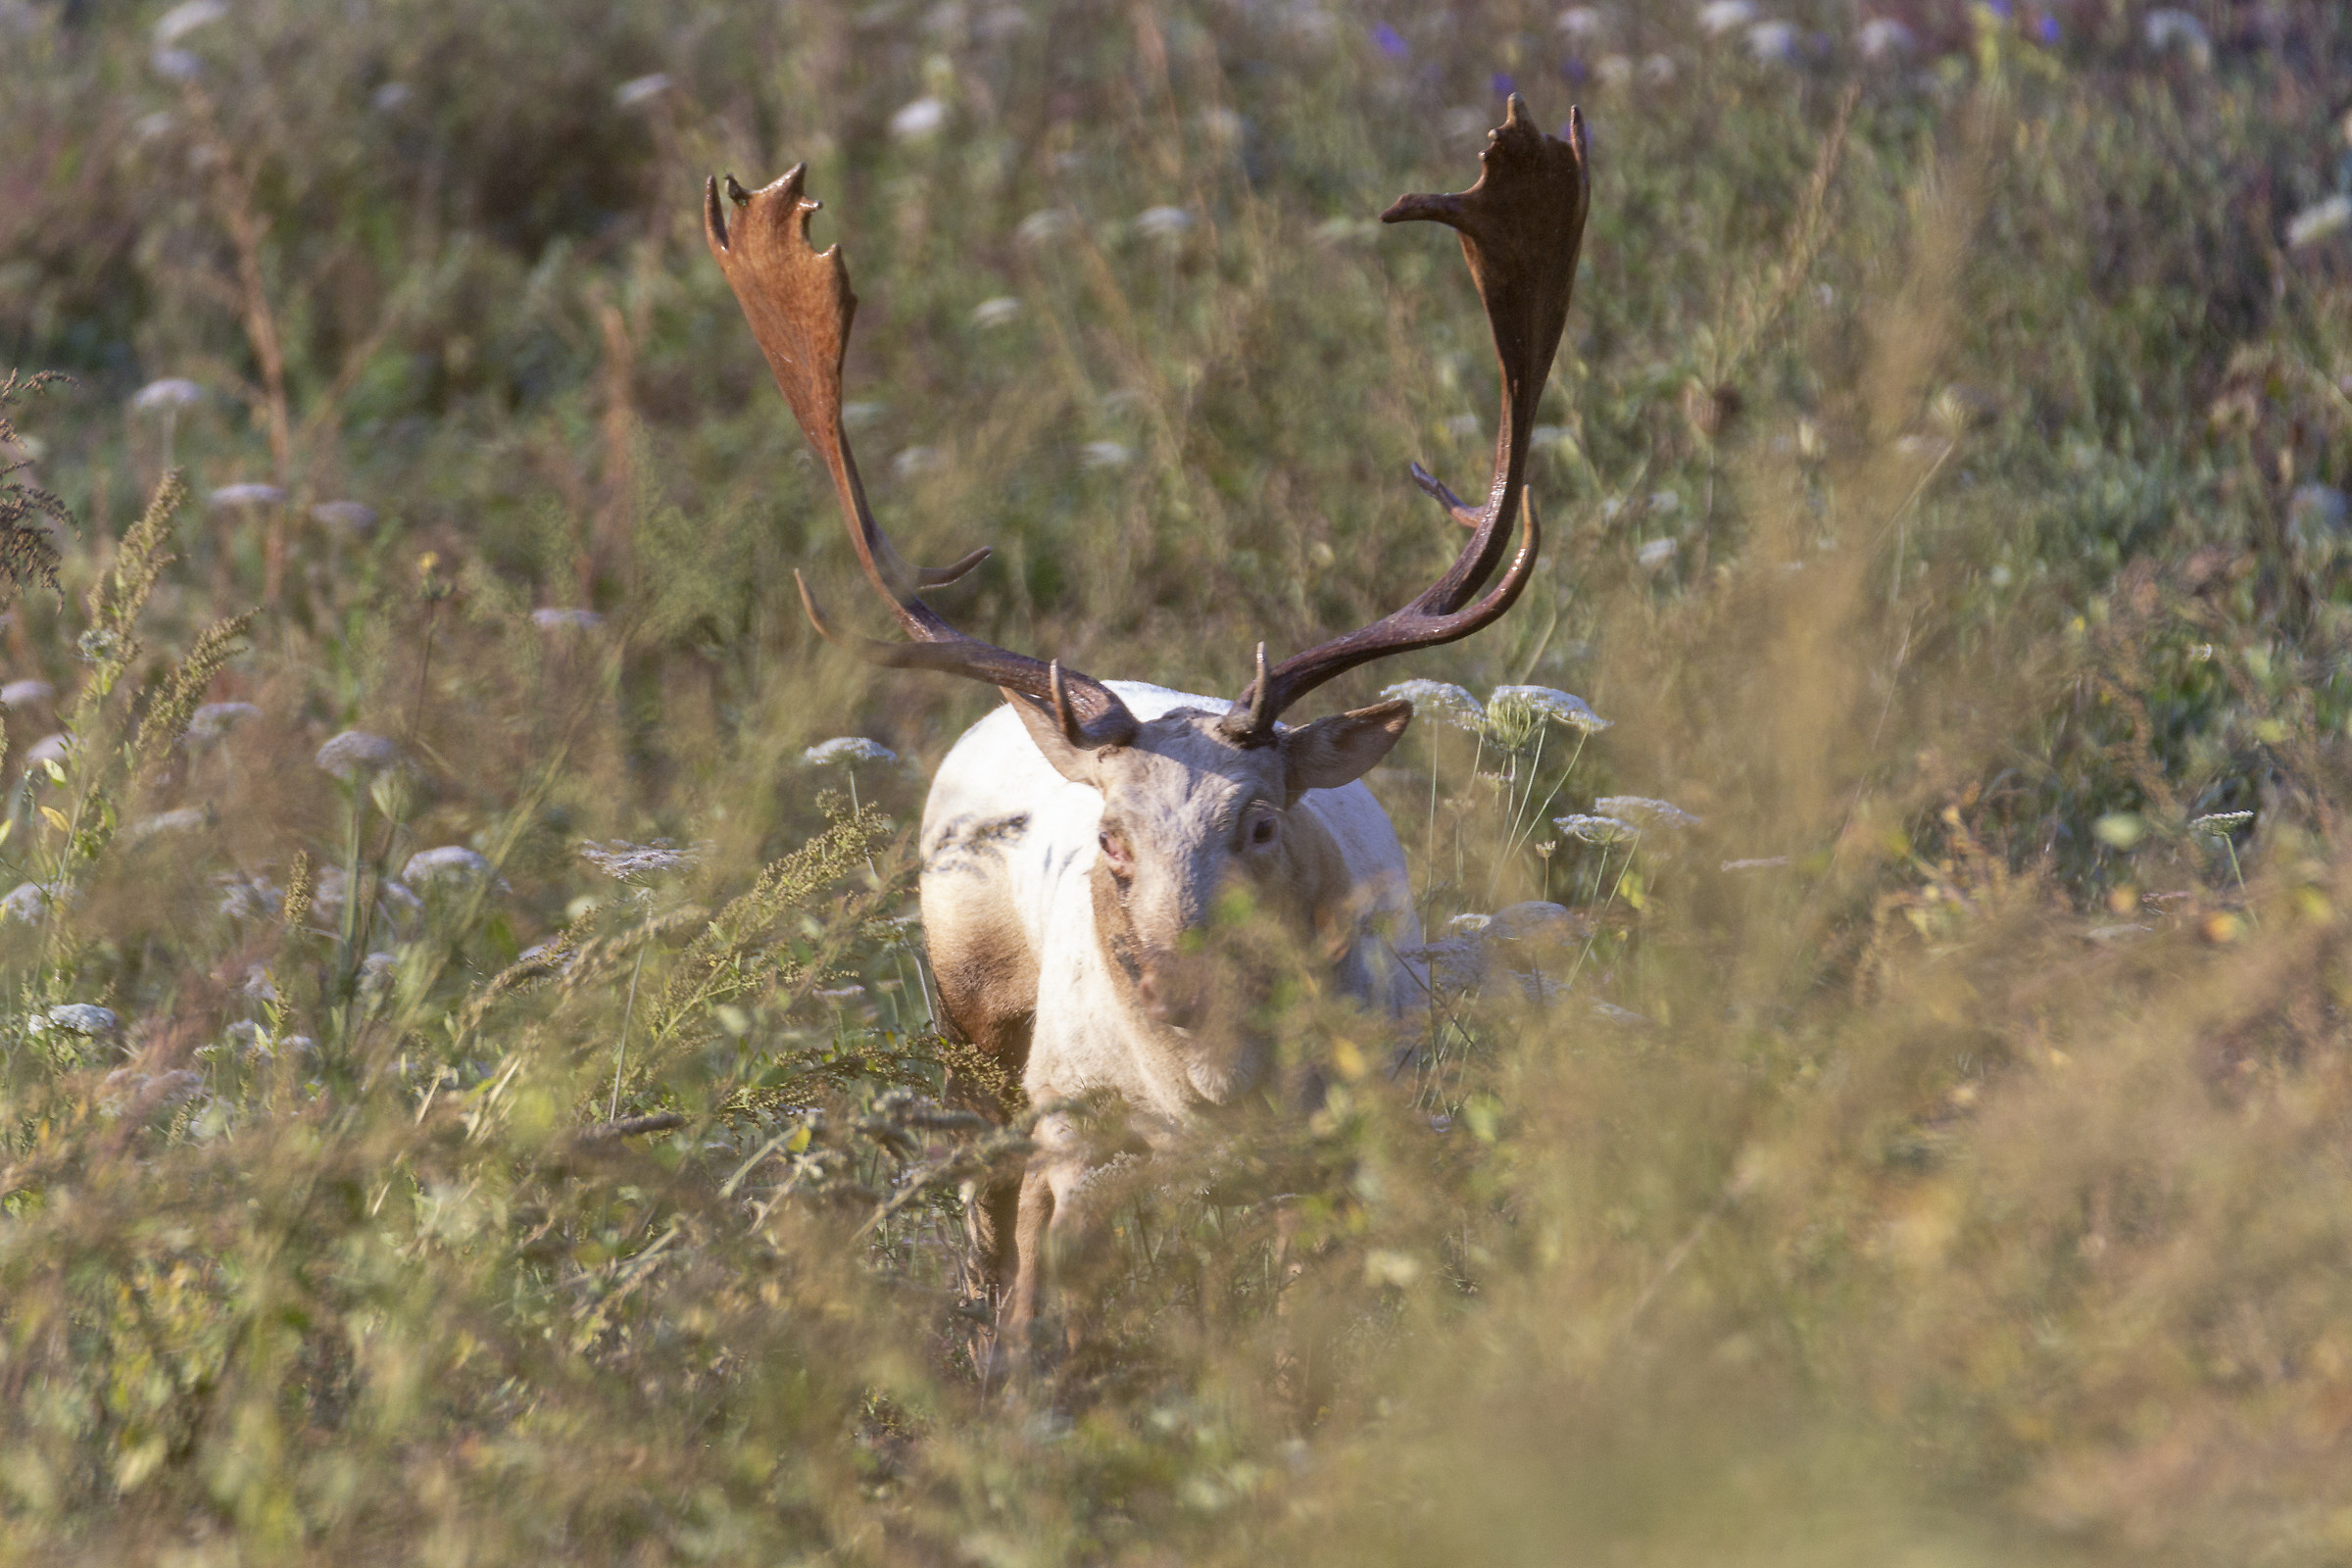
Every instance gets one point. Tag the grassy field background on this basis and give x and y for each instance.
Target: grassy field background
(1938, 1154)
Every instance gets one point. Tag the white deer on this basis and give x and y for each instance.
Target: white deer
(1077, 841)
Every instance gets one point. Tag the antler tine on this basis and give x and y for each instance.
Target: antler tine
(799, 304)
(1521, 227)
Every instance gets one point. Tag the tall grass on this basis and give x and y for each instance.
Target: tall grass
(1933, 1153)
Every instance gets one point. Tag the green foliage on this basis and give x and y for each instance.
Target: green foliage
(1917, 1135)
(28, 554)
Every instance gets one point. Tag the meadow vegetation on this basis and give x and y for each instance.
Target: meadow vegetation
(469, 1087)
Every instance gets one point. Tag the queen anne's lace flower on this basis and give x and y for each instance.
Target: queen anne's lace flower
(1643, 811)
(1596, 829)
(846, 749)
(1557, 706)
(184, 820)
(1440, 700)
(213, 720)
(76, 1018)
(452, 864)
(247, 495)
(352, 516)
(355, 753)
(638, 863)
(171, 392)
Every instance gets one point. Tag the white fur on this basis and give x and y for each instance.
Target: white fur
(1087, 1035)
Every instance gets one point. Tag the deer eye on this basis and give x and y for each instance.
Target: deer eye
(1262, 830)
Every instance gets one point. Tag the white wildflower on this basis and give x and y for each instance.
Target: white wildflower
(1885, 40)
(1625, 1017)
(1047, 224)
(390, 96)
(1614, 71)
(1655, 554)
(251, 494)
(1596, 829)
(1644, 812)
(1773, 43)
(841, 993)
(147, 127)
(171, 392)
(1162, 223)
(215, 721)
(1720, 17)
(176, 65)
(25, 693)
(153, 1091)
(1583, 22)
(1469, 926)
(186, 18)
(351, 517)
(26, 901)
(1104, 455)
(76, 1018)
(2219, 825)
(356, 753)
(2319, 221)
(1665, 503)
(184, 820)
(1657, 71)
(248, 898)
(636, 862)
(919, 121)
(1440, 700)
(860, 415)
(1763, 863)
(997, 311)
(2171, 28)
(1221, 125)
(553, 619)
(451, 865)
(912, 461)
(1557, 706)
(640, 89)
(847, 749)
(50, 748)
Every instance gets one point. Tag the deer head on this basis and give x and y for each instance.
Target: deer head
(1194, 801)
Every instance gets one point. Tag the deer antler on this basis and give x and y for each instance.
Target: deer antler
(799, 304)
(1521, 225)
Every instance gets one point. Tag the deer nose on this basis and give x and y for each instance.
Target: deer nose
(1171, 991)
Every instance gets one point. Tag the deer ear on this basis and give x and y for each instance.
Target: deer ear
(1342, 748)
(1073, 763)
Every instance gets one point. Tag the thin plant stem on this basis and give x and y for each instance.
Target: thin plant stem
(621, 1051)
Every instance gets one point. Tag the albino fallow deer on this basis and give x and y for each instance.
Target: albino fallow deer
(1077, 840)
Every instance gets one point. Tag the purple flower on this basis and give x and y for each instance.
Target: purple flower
(1502, 84)
(1391, 42)
(2047, 29)
(1575, 70)
(1999, 8)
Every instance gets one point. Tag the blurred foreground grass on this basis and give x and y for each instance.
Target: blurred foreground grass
(1936, 1154)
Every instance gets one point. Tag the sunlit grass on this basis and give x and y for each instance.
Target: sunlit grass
(468, 1083)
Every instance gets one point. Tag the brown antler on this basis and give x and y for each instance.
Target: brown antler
(1521, 227)
(799, 304)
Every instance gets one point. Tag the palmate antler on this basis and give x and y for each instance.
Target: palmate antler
(799, 304)
(1521, 227)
